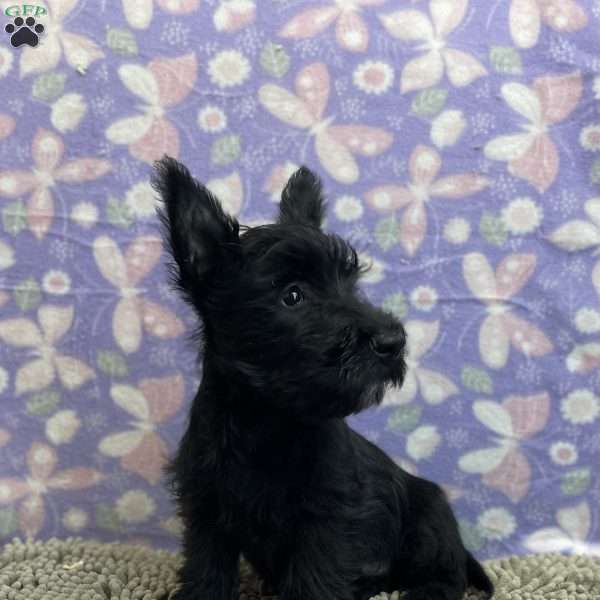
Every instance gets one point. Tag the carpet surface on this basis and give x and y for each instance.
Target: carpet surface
(76, 569)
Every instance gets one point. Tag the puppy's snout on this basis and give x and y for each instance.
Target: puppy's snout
(388, 345)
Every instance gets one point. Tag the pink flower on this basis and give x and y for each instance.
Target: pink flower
(141, 449)
(335, 145)
(532, 155)
(514, 421)
(351, 31)
(42, 340)
(125, 271)
(501, 328)
(424, 166)
(526, 17)
(411, 25)
(42, 479)
(80, 52)
(47, 150)
(162, 84)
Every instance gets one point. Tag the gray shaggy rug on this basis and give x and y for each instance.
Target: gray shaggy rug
(76, 569)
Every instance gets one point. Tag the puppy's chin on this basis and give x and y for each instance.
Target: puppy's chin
(379, 379)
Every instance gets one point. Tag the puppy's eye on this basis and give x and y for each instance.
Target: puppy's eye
(293, 296)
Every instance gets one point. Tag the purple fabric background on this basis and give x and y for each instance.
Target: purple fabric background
(492, 261)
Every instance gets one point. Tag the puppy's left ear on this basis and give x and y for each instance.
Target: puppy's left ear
(203, 238)
(301, 200)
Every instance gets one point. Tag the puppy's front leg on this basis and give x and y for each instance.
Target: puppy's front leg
(211, 568)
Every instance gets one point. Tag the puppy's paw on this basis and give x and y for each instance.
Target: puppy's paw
(434, 591)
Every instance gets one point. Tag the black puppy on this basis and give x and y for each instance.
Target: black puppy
(267, 467)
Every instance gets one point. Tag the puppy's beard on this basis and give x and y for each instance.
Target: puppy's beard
(372, 395)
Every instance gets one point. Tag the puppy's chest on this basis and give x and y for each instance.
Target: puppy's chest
(263, 495)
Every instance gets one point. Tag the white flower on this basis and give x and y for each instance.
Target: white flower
(67, 112)
(382, 199)
(375, 274)
(373, 77)
(211, 119)
(447, 128)
(56, 282)
(6, 61)
(521, 215)
(141, 200)
(7, 256)
(3, 379)
(424, 298)
(457, 231)
(587, 320)
(62, 427)
(75, 519)
(135, 506)
(423, 442)
(229, 68)
(348, 208)
(563, 453)
(589, 138)
(496, 523)
(85, 214)
(580, 407)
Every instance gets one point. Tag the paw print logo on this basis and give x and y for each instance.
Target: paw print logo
(24, 31)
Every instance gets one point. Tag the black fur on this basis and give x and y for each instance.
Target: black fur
(268, 467)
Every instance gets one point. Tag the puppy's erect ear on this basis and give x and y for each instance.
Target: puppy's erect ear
(203, 239)
(301, 200)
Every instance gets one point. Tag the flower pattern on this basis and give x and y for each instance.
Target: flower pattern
(351, 30)
(424, 166)
(428, 69)
(501, 327)
(141, 449)
(139, 14)
(47, 150)
(533, 155)
(79, 50)
(526, 17)
(133, 313)
(459, 147)
(162, 84)
(41, 340)
(42, 479)
(335, 145)
(516, 419)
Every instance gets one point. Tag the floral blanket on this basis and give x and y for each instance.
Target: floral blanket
(458, 143)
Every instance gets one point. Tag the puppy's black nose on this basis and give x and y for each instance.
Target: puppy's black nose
(388, 345)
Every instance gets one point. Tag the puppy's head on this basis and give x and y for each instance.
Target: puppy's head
(280, 303)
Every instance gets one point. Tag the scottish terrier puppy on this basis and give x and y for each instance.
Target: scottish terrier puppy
(267, 467)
